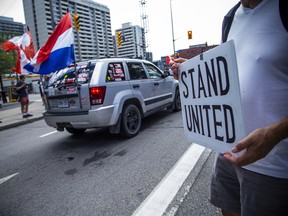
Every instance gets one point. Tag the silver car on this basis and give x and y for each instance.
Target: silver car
(114, 92)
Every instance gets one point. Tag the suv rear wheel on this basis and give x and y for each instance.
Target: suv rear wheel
(131, 121)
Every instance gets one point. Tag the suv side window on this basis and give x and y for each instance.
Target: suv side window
(153, 72)
(115, 72)
(136, 71)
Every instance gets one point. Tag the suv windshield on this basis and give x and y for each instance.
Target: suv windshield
(67, 75)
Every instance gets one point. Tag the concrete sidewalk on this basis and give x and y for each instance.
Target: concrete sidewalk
(11, 116)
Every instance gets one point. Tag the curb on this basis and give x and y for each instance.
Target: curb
(19, 123)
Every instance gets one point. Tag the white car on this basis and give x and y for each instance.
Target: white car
(114, 92)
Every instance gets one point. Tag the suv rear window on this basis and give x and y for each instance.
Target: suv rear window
(67, 75)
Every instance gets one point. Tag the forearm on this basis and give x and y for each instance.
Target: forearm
(259, 143)
(279, 130)
(20, 87)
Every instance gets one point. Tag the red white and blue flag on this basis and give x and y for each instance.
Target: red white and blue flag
(58, 52)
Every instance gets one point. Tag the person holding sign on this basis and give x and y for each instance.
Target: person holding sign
(255, 182)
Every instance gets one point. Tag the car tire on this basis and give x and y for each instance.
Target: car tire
(75, 131)
(131, 121)
(177, 101)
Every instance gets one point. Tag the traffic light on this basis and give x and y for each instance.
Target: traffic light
(119, 38)
(189, 35)
(76, 19)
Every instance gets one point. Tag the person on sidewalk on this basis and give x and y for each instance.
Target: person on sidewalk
(256, 182)
(22, 91)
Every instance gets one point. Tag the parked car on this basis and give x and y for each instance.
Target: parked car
(113, 92)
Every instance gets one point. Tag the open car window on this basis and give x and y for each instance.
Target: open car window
(136, 71)
(153, 72)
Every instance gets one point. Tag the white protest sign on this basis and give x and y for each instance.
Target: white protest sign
(210, 98)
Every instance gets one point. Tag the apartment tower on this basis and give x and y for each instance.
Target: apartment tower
(133, 42)
(93, 40)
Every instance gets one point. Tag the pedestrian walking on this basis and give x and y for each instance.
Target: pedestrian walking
(22, 91)
(256, 182)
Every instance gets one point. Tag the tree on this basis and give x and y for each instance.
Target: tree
(7, 59)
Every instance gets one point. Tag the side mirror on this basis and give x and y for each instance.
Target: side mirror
(166, 74)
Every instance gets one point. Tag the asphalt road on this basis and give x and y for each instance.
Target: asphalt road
(56, 173)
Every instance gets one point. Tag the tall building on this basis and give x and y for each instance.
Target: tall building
(93, 40)
(132, 42)
(9, 28)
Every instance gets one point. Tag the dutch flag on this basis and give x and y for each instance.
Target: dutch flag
(58, 52)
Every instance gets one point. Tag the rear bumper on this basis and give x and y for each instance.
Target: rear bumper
(102, 117)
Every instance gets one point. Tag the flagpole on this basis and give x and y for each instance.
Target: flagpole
(52, 15)
(76, 76)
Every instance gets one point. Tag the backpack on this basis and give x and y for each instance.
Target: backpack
(228, 19)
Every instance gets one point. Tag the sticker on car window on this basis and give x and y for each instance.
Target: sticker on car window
(115, 72)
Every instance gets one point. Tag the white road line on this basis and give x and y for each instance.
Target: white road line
(48, 134)
(8, 177)
(159, 199)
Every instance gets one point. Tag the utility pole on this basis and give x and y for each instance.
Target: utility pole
(172, 29)
(144, 25)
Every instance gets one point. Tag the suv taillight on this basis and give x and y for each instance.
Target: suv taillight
(97, 95)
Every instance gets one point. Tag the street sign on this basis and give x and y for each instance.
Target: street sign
(210, 98)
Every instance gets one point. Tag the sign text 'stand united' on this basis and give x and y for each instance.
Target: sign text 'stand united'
(210, 98)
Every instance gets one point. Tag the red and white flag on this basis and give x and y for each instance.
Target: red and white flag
(169, 59)
(25, 50)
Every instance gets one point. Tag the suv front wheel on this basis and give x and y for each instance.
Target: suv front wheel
(177, 101)
(131, 121)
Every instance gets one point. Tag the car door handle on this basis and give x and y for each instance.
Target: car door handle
(156, 84)
(136, 86)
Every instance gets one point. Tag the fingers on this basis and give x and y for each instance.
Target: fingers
(180, 60)
(174, 65)
(241, 159)
(230, 157)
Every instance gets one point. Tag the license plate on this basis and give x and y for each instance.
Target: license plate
(63, 103)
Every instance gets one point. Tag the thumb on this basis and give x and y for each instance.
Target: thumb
(239, 147)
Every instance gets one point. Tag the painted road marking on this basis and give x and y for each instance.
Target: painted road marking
(159, 199)
(44, 135)
(7, 178)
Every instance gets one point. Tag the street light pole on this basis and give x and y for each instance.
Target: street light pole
(172, 29)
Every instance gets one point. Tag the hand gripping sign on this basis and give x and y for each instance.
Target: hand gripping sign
(210, 98)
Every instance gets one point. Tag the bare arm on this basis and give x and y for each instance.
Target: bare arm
(259, 143)
(22, 86)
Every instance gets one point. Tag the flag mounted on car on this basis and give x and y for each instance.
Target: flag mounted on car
(25, 50)
(58, 52)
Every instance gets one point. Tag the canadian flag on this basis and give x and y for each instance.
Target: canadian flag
(25, 50)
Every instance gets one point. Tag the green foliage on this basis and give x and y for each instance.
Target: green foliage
(7, 59)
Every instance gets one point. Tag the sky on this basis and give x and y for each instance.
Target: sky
(203, 17)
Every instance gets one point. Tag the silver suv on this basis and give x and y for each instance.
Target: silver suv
(115, 93)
